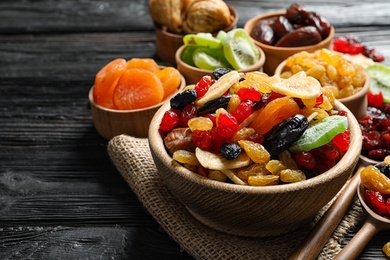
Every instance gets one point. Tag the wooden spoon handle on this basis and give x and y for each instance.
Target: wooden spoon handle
(319, 235)
(358, 242)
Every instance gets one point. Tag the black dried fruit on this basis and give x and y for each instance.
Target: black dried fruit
(230, 151)
(212, 105)
(217, 73)
(184, 98)
(384, 168)
(283, 135)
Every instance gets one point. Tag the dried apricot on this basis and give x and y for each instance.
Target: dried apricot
(170, 79)
(138, 88)
(105, 82)
(274, 113)
(143, 63)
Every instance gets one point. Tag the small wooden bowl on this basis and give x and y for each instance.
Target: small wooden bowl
(275, 55)
(167, 43)
(247, 210)
(194, 74)
(356, 103)
(112, 122)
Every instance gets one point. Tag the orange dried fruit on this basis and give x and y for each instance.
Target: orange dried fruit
(143, 63)
(138, 88)
(170, 79)
(105, 82)
(274, 113)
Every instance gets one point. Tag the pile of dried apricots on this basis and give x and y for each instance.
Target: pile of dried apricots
(133, 84)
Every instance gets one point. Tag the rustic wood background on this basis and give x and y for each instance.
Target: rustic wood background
(60, 196)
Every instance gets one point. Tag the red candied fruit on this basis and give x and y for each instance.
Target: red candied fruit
(319, 100)
(203, 85)
(251, 93)
(388, 206)
(243, 110)
(257, 138)
(375, 99)
(375, 201)
(212, 117)
(227, 125)
(202, 139)
(342, 140)
(188, 112)
(305, 160)
(169, 121)
(328, 151)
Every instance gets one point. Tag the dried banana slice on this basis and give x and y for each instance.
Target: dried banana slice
(217, 162)
(299, 86)
(218, 88)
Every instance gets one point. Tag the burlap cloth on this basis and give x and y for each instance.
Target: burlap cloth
(133, 159)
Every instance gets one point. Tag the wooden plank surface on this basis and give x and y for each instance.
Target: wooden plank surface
(60, 196)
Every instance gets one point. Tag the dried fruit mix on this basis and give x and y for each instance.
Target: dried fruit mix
(255, 129)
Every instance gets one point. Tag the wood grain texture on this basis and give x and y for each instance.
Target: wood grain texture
(60, 196)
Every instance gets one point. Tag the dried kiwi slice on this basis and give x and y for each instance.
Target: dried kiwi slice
(239, 49)
(380, 80)
(202, 39)
(205, 58)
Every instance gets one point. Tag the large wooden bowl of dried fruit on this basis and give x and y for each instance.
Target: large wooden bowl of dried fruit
(252, 211)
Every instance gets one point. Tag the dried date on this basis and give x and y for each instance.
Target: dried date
(263, 32)
(303, 36)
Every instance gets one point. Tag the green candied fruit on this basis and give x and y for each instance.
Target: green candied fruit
(380, 80)
(320, 133)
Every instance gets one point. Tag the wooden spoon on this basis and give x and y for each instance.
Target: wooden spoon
(324, 228)
(371, 226)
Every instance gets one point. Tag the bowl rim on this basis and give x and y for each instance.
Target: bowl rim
(253, 67)
(157, 146)
(163, 28)
(248, 26)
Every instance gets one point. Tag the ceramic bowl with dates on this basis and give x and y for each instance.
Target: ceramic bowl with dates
(254, 155)
(284, 33)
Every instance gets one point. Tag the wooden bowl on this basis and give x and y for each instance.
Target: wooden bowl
(193, 74)
(275, 55)
(167, 43)
(112, 122)
(356, 103)
(253, 211)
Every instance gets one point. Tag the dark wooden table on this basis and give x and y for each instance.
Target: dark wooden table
(60, 196)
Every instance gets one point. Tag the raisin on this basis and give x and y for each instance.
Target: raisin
(384, 168)
(183, 99)
(217, 73)
(230, 151)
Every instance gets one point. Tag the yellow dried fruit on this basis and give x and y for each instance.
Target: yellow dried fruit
(255, 151)
(263, 180)
(275, 167)
(289, 175)
(185, 157)
(200, 123)
(217, 162)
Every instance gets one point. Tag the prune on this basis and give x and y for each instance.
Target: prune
(217, 73)
(284, 134)
(183, 98)
(303, 36)
(263, 32)
(212, 105)
(230, 151)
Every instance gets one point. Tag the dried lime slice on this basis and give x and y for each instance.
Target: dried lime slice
(239, 49)
(300, 87)
(209, 59)
(202, 39)
(380, 80)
